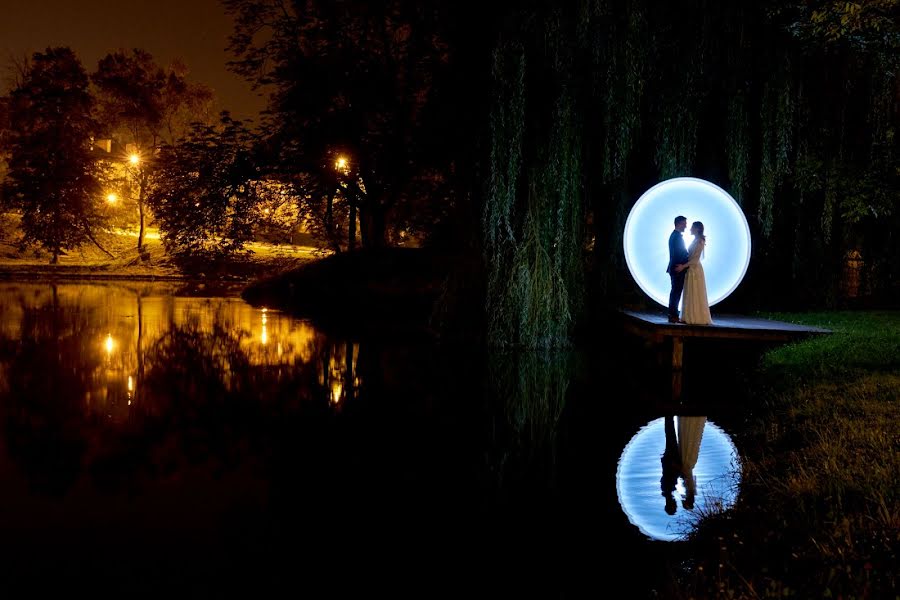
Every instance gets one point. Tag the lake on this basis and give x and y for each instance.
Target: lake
(163, 437)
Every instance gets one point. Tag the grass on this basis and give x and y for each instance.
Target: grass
(819, 512)
(261, 259)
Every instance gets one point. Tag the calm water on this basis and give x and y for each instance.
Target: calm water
(155, 439)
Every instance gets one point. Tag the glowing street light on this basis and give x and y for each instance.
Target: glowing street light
(341, 163)
(134, 158)
(112, 197)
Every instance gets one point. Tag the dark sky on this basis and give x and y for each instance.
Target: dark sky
(195, 30)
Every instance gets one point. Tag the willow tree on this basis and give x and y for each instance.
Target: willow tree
(790, 106)
(533, 218)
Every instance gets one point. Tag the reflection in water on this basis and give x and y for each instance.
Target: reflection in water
(84, 365)
(528, 390)
(203, 433)
(703, 481)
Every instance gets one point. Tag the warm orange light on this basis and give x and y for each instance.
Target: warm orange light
(109, 344)
(337, 390)
(112, 197)
(134, 159)
(341, 163)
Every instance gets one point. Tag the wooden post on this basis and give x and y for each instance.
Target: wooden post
(677, 352)
(677, 363)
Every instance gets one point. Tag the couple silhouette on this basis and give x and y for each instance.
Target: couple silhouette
(679, 459)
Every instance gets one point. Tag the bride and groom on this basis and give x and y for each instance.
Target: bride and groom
(687, 276)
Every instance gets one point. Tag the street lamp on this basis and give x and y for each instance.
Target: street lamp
(112, 197)
(341, 163)
(134, 159)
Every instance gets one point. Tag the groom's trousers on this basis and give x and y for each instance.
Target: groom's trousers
(675, 294)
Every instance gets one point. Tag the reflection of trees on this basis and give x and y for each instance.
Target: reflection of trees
(41, 404)
(338, 375)
(182, 382)
(527, 395)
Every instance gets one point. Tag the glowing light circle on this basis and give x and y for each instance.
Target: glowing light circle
(651, 221)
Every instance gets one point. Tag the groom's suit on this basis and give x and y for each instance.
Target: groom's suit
(678, 255)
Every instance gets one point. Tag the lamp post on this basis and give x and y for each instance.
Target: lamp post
(139, 174)
(342, 166)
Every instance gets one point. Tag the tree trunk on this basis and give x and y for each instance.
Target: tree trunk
(329, 216)
(55, 258)
(140, 241)
(333, 240)
(374, 226)
(91, 237)
(351, 238)
(348, 371)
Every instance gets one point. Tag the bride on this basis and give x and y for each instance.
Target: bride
(695, 306)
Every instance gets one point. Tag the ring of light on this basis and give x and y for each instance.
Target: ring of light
(638, 480)
(651, 221)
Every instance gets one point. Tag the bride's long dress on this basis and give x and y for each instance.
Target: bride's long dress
(695, 305)
(690, 434)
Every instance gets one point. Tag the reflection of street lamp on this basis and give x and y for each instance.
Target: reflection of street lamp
(134, 159)
(112, 197)
(264, 338)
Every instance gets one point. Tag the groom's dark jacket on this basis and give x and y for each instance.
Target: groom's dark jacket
(678, 254)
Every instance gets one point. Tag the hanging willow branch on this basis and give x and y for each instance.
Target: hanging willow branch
(679, 123)
(624, 57)
(738, 145)
(533, 240)
(498, 218)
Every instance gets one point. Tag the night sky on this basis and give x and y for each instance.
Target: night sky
(195, 30)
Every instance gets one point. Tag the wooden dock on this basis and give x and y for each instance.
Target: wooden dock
(655, 328)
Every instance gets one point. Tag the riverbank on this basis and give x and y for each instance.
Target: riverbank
(260, 260)
(819, 509)
(388, 289)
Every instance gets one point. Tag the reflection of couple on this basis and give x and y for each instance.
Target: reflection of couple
(679, 459)
(686, 273)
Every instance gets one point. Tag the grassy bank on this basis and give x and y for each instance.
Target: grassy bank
(819, 511)
(123, 261)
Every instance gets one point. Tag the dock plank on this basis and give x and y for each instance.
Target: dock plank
(724, 326)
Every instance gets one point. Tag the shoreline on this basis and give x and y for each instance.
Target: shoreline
(76, 274)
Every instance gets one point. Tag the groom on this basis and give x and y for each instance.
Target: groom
(678, 255)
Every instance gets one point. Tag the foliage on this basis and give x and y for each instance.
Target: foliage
(204, 192)
(53, 177)
(794, 114)
(142, 105)
(347, 78)
(277, 210)
(533, 216)
(870, 25)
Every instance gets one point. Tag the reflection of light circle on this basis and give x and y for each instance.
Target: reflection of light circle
(651, 221)
(640, 469)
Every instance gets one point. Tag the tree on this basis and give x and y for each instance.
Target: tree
(5, 130)
(53, 176)
(349, 78)
(205, 191)
(145, 105)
